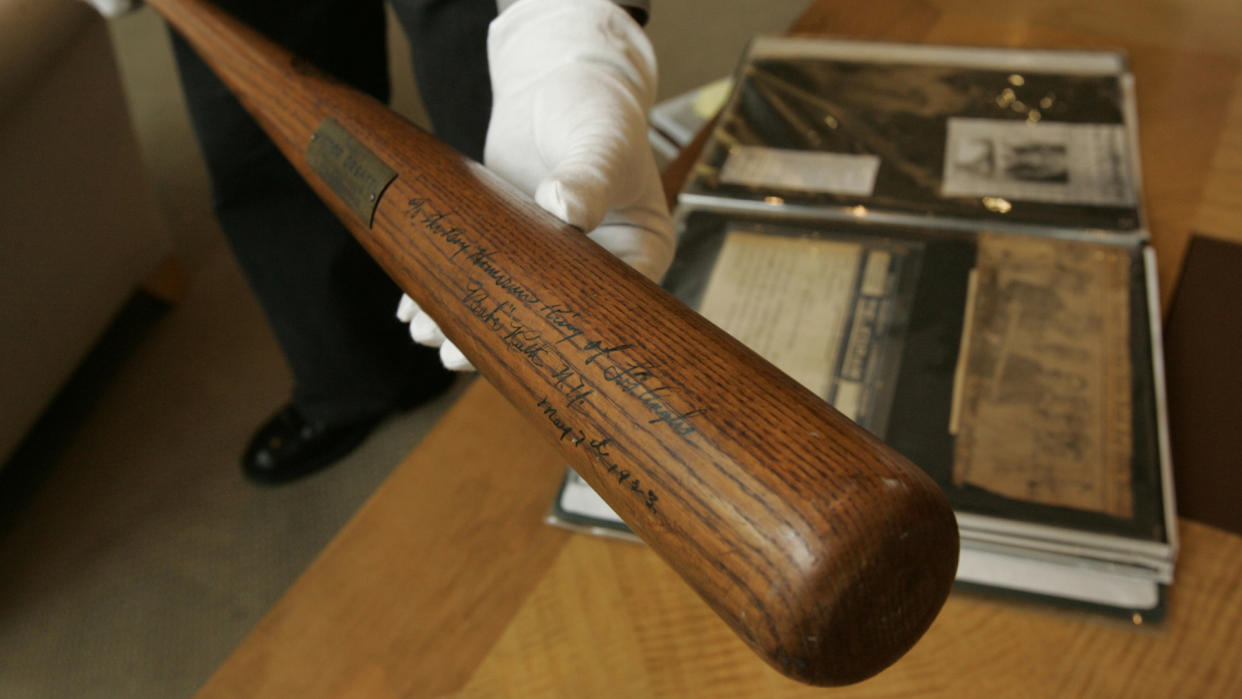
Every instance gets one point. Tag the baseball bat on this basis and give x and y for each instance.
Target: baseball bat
(827, 552)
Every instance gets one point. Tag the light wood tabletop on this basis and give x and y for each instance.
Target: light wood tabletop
(448, 583)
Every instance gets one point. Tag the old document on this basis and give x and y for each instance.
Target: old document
(1042, 408)
(787, 299)
(804, 171)
(1048, 162)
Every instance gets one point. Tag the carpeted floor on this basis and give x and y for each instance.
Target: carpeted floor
(137, 557)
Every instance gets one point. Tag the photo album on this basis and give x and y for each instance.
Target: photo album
(948, 245)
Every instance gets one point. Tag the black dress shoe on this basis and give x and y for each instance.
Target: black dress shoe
(288, 446)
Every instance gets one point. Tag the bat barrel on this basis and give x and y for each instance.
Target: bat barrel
(827, 552)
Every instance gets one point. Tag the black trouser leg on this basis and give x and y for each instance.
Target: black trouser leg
(448, 45)
(330, 306)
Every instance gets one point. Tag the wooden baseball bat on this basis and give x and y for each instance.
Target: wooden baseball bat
(827, 552)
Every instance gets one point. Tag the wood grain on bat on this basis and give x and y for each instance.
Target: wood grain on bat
(826, 551)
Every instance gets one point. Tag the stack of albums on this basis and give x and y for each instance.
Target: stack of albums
(962, 227)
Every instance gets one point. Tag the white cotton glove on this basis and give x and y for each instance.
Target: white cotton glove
(572, 83)
(113, 8)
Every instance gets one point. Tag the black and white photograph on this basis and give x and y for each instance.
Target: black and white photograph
(1049, 162)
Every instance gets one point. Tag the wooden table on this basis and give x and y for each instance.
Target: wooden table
(447, 582)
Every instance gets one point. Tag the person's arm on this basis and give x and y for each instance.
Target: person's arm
(113, 8)
(640, 10)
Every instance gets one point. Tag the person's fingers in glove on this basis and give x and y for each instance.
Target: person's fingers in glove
(424, 331)
(572, 83)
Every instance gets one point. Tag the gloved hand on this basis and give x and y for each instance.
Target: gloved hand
(113, 8)
(572, 82)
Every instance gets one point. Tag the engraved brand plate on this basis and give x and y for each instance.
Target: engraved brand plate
(356, 174)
